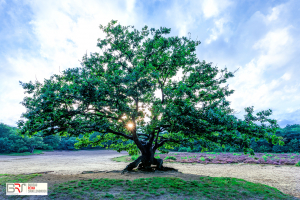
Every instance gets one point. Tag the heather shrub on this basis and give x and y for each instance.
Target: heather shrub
(170, 157)
(265, 158)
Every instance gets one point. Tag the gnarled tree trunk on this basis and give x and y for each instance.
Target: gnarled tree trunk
(145, 161)
(31, 149)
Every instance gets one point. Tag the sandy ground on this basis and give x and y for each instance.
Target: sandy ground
(63, 166)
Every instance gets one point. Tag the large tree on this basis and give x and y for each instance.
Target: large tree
(111, 93)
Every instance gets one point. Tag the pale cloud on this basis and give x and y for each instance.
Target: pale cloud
(130, 5)
(182, 18)
(217, 30)
(188, 16)
(273, 41)
(275, 48)
(286, 76)
(275, 13)
(249, 76)
(252, 89)
(68, 29)
(212, 8)
(291, 89)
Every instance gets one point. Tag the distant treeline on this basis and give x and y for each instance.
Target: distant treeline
(290, 134)
(11, 142)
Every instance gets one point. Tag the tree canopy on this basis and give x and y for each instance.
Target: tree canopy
(111, 93)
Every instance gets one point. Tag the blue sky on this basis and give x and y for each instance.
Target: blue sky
(261, 38)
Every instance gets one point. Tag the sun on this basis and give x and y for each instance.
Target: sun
(130, 125)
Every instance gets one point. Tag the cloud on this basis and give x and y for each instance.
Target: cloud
(286, 76)
(212, 8)
(217, 30)
(275, 47)
(274, 14)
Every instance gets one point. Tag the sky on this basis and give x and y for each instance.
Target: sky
(259, 38)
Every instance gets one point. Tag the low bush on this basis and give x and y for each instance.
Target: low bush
(170, 157)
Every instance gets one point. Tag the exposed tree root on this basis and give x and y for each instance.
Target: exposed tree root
(146, 166)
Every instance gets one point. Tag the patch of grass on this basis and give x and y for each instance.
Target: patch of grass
(150, 188)
(17, 178)
(36, 151)
(121, 159)
(184, 157)
(298, 164)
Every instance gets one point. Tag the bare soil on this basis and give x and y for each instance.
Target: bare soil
(62, 166)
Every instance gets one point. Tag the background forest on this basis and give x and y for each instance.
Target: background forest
(12, 142)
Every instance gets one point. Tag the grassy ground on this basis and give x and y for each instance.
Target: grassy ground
(25, 153)
(151, 188)
(36, 151)
(148, 188)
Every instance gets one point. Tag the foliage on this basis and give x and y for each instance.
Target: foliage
(111, 95)
(182, 149)
(53, 141)
(5, 145)
(67, 143)
(134, 157)
(290, 135)
(35, 142)
(6, 130)
(12, 142)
